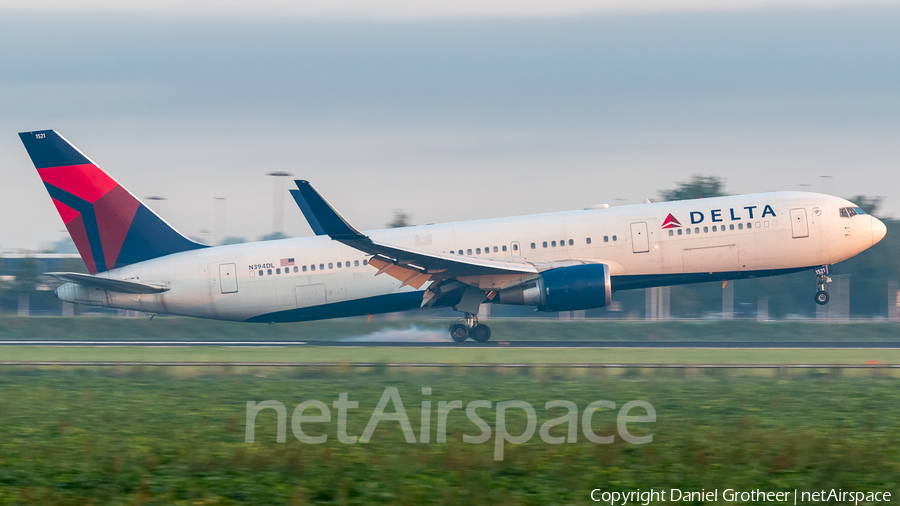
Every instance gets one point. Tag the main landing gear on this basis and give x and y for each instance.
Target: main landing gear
(822, 280)
(471, 328)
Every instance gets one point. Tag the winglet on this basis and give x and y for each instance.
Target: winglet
(307, 212)
(321, 216)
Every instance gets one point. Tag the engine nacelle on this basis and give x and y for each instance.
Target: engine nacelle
(564, 289)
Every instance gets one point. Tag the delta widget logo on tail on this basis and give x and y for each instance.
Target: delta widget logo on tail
(671, 222)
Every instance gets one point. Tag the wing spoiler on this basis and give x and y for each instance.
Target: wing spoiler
(112, 285)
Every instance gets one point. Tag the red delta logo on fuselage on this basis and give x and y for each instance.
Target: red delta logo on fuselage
(716, 215)
(671, 222)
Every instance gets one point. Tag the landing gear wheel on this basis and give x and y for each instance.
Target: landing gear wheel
(822, 297)
(480, 333)
(459, 332)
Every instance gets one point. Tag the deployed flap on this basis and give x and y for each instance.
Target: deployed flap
(325, 217)
(112, 285)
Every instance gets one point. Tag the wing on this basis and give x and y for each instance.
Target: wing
(411, 265)
(112, 285)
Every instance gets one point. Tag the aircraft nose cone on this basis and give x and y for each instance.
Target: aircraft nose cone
(878, 230)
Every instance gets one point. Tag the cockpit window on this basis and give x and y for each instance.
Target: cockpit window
(847, 212)
(859, 210)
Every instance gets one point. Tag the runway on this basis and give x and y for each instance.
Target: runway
(490, 344)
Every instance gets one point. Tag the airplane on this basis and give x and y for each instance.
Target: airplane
(562, 261)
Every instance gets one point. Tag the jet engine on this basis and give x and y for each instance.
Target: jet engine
(563, 289)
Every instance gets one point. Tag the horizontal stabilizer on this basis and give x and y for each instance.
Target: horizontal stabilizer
(112, 285)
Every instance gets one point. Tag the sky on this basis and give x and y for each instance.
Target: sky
(449, 111)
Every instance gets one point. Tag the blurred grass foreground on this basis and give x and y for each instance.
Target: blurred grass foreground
(138, 435)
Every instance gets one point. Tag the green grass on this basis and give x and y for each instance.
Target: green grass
(448, 355)
(149, 436)
(105, 328)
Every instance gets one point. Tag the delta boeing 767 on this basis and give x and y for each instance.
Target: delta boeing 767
(560, 261)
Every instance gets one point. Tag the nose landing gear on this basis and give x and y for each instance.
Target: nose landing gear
(822, 280)
(477, 331)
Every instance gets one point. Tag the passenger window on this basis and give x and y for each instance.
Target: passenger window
(757, 224)
(615, 238)
(679, 231)
(731, 227)
(503, 247)
(365, 262)
(671, 233)
(339, 265)
(469, 251)
(687, 231)
(487, 250)
(477, 251)
(696, 230)
(304, 268)
(260, 272)
(277, 271)
(545, 244)
(312, 267)
(330, 265)
(588, 240)
(533, 246)
(296, 269)
(740, 226)
(714, 228)
(766, 223)
(571, 242)
(356, 263)
(553, 243)
(269, 272)
(605, 238)
(496, 249)
(321, 267)
(705, 230)
(460, 252)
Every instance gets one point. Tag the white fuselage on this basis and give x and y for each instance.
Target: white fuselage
(737, 236)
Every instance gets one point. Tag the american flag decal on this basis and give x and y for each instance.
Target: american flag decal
(287, 262)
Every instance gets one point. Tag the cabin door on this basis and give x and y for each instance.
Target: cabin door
(799, 226)
(228, 278)
(640, 240)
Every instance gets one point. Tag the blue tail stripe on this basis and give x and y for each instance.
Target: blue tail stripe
(90, 222)
(49, 149)
(150, 237)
